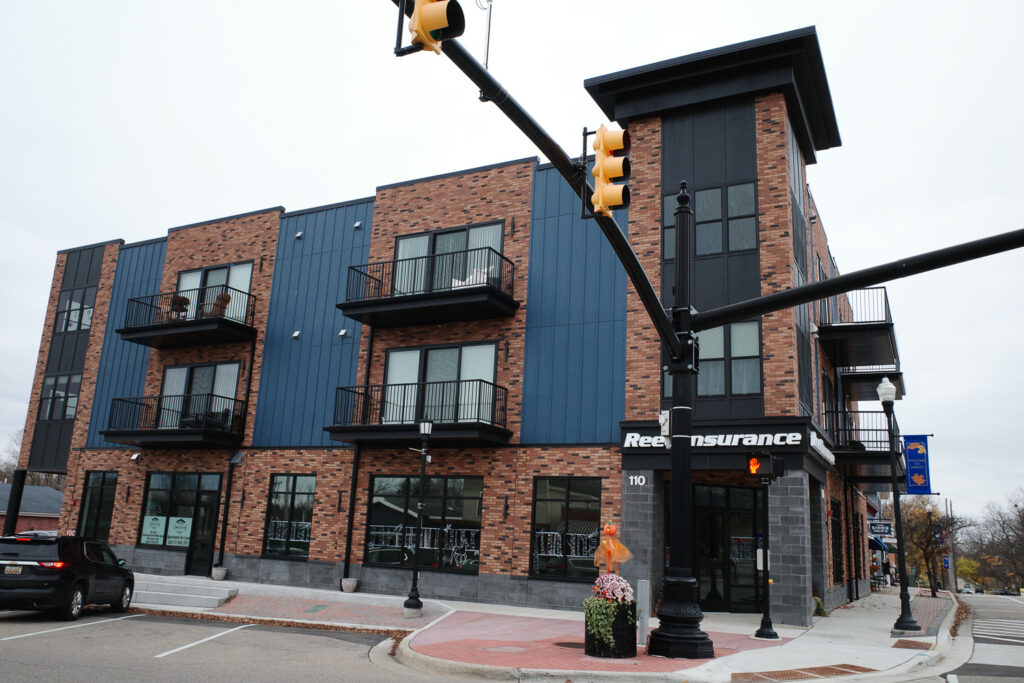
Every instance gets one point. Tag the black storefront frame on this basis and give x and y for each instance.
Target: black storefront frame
(291, 508)
(84, 517)
(567, 500)
(197, 490)
(443, 498)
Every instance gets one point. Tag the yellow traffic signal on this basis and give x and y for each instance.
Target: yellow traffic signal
(435, 20)
(610, 164)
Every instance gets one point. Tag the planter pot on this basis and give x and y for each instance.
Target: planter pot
(623, 634)
(349, 585)
(219, 573)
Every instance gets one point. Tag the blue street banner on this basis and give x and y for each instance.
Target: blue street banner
(915, 450)
(945, 561)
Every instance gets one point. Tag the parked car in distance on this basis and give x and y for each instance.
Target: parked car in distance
(63, 573)
(1003, 591)
(967, 589)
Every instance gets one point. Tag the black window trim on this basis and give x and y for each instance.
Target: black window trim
(80, 530)
(291, 507)
(205, 269)
(444, 497)
(432, 234)
(145, 499)
(533, 523)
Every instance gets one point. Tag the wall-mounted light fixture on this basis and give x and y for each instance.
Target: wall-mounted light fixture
(357, 225)
(343, 332)
(135, 457)
(298, 235)
(296, 333)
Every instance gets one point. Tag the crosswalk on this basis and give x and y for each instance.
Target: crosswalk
(1009, 631)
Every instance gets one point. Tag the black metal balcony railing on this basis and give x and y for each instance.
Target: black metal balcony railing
(218, 301)
(436, 273)
(859, 430)
(177, 413)
(860, 306)
(453, 402)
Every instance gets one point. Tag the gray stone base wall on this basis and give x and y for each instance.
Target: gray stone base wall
(152, 560)
(310, 574)
(835, 596)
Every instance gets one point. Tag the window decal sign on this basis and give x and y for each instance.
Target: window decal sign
(915, 451)
(153, 530)
(179, 529)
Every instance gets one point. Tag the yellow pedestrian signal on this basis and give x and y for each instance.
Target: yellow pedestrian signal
(433, 21)
(610, 164)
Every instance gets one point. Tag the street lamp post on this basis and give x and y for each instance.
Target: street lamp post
(906, 621)
(413, 606)
(679, 634)
(931, 555)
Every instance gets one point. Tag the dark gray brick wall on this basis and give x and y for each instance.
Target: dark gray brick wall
(789, 518)
(642, 527)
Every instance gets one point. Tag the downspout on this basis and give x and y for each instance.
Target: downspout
(355, 464)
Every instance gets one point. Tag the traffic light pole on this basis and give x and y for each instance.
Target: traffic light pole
(766, 630)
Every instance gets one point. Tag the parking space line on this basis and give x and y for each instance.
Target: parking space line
(200, 642)
(64, 628)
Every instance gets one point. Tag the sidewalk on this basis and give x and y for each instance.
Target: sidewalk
(500, 641)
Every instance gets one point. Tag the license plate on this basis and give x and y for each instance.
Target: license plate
(12, 569)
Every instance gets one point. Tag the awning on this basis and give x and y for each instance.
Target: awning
(875, 543)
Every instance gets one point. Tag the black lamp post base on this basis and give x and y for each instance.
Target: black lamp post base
(413, 606)
(906, 622)
(679, 635)
(766, 631)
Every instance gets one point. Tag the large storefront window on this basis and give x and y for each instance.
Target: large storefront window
(97, 505)
(566, 526)
(290, 515)
(451, 522)
(170, 507)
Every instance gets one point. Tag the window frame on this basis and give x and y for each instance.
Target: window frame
(531, 572)
(63, 315)
(410, 506)
(291, 493)
(96, 492)
(432, 235)
(47, 401)
(205, 271)
(171, 503)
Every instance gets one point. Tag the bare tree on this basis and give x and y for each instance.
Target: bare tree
(998, 542)
(927, 536)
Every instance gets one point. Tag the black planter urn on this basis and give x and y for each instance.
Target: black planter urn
(623, 634)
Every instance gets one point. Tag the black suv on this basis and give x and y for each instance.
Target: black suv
(65, 573)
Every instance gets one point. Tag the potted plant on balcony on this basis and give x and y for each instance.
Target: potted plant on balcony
(610, 614)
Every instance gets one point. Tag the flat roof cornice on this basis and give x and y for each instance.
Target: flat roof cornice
(789, 63)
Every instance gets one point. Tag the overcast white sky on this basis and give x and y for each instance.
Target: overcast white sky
(123, 119)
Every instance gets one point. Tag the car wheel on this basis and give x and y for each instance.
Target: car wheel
(122, 604)
(73, 604)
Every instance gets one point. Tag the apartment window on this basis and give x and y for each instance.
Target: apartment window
(215, 292)
(59, 398)
(443, 384)
(170, 505)
(74, 310)
(290, 515)
(725, 219)
(730, 360)
(97, 505)
(448, 259)
(566, 526)
(451, 522)
(199, 396)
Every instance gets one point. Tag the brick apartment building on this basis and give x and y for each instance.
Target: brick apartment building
(246, 391)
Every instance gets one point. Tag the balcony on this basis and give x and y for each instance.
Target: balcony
(860, 443)
(190, 317)
(187, 421)
(441, 288)
(856, 332)
(465, 413)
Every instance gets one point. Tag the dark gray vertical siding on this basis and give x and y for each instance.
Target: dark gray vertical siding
(575, 348)
(122, 368)
(300, 376)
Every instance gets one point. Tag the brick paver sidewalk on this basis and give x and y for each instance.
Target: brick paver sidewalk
(528, 642)
(927, 610)
(358, 614)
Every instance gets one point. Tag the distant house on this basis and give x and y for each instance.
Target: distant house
(40, 507)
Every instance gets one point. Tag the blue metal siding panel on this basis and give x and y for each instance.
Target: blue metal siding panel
(574, 375)
(122, 366)
(299, 376)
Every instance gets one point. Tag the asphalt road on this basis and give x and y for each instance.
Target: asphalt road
(998, 632)
(111, 647)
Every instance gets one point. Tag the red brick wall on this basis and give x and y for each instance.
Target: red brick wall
(775, 234)
(502, 193)
(41, 359)
(252, 237)
(643, 345)
(28, 522)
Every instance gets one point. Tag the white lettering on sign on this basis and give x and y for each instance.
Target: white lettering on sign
(637, 480)
(635, 440)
